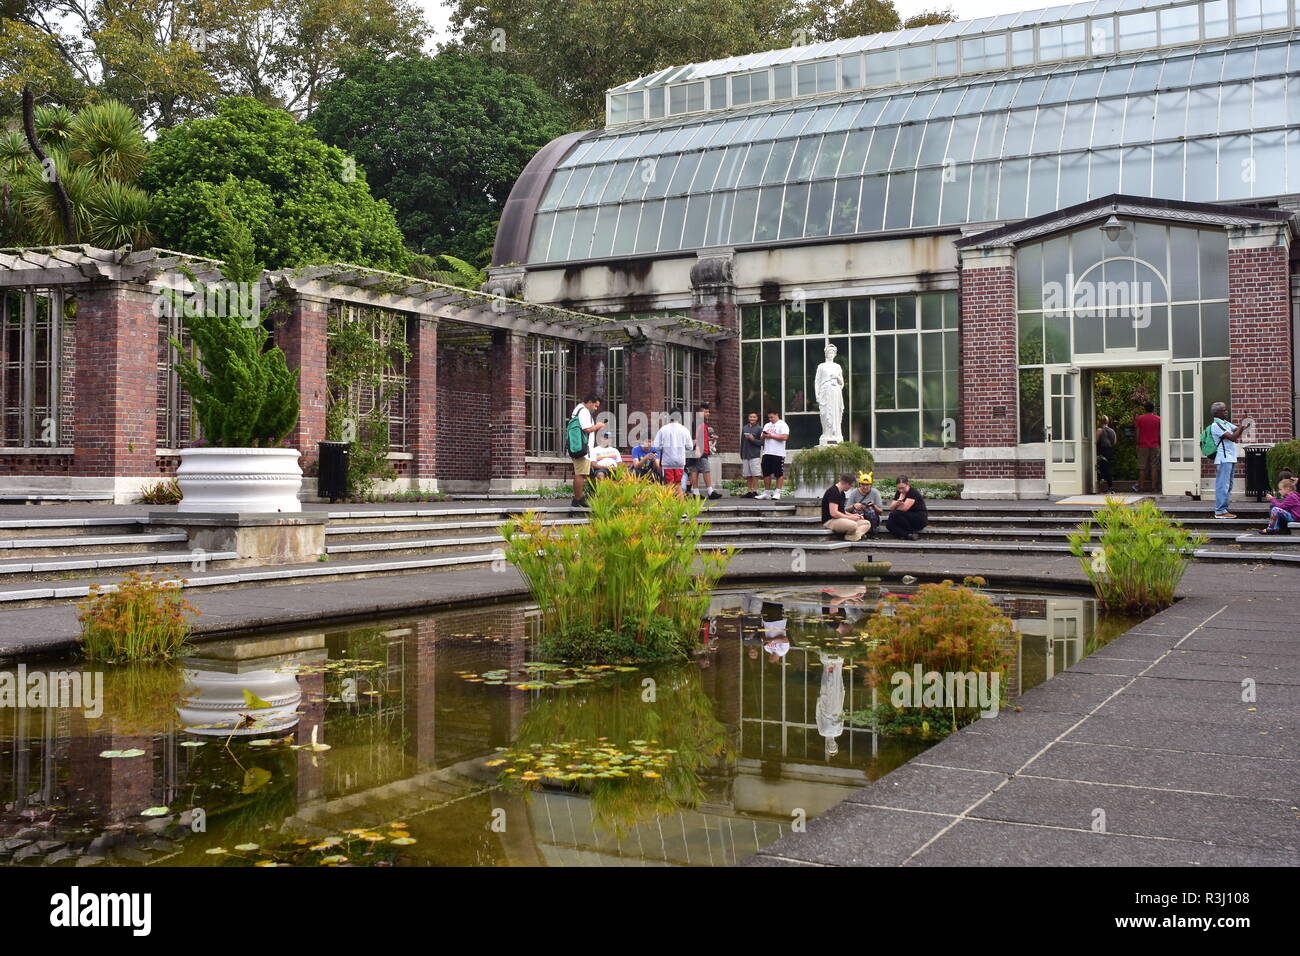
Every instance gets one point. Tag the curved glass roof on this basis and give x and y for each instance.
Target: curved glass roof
(1072, 32)
(1221, 121)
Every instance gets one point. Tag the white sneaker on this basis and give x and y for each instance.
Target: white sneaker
(763, 496)
(777, 495)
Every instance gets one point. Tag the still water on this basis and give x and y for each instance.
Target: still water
(427, 741)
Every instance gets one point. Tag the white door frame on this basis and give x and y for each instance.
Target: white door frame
(1180, 452)
(1065, 458)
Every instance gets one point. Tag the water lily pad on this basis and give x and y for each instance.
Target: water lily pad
(335, 859)
(111, 754)
(217, 851)
(403, 841)
(156, 812)
(247, 847)
(194, 743)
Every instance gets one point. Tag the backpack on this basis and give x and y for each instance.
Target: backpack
(1209, 447)
(575, 439)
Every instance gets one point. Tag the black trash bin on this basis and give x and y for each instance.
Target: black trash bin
(332, 478)
(1257, 471)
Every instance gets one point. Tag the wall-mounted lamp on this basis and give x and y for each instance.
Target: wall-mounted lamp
(1113, 228)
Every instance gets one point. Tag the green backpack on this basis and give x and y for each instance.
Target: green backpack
(1209, 447)
(575, 438)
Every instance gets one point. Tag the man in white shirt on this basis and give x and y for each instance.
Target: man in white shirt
(585, 412)
(775, 434)
(1226, 435)
(605, 457)
(676, 441)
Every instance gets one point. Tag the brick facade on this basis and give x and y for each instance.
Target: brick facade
(115, 388)
(422, 397)
(301, 331)
(1259, 341)
(507, 438)
(989, 361)
(465, 394)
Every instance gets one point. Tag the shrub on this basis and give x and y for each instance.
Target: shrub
(818, 467)
(943, 628)
(160, 493)
(934, 490)
(244, 393)
(142, 619)
(1139, 559)
(1285, 454)
(627, 585)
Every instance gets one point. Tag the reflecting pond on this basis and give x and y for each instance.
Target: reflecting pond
(439, 740)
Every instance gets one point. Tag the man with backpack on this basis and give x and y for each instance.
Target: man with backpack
(1220, 440)
(577, 440)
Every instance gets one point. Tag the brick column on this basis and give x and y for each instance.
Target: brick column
(714, 301)
(422, 400)
(300, 331)
(644, 384)
(1259, 331)
(115, 417)
(506, 440)
(989, 382)
(593, 366)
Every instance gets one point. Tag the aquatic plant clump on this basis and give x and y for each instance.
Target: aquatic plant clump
(630, 584)
(142, 618)
(1140, 556)
(950, 631)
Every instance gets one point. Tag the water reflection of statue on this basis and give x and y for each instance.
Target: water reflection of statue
(829, 387)
(830, 703)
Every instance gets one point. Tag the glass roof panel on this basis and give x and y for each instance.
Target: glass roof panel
(1036, 137)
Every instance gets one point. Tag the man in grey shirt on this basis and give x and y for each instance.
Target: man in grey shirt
(865, 500)
(751, 454)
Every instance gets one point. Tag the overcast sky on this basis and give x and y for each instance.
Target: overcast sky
(436, 10)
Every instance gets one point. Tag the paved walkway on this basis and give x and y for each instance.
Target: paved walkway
(1143, 754)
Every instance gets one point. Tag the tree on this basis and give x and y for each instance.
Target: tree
(175, 59)
(840, 19)
(302, 200)
(441, 138)
(77, 181)
(577, 49)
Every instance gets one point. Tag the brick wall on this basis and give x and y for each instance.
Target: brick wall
(1259, 341)
(301, 332)
(115, 392)
(422, 398)
(464, 394)
(989, 363)
(507, 436)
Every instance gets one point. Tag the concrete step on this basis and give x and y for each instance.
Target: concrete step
(138, 543)
(71, 527)
(1271, 542)
(19, 498)
(47, 570)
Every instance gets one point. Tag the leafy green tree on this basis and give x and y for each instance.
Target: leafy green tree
(171, 60)
(577, 49)
(441, 138)
(95, 155)
(303, 201)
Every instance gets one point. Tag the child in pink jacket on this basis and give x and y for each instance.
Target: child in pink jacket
(1288, 509)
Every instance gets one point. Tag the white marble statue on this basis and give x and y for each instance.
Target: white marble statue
(829, 388)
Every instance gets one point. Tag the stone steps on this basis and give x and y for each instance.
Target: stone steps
(14, 549)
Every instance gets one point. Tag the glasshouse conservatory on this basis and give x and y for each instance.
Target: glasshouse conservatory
(985, 217)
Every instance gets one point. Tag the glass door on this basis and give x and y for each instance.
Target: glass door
(1065, 459)
(1181, 424)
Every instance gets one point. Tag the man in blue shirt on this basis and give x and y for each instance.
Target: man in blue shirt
(645, 461)
(1226, 435)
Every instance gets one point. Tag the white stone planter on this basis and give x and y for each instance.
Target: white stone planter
(260, 480)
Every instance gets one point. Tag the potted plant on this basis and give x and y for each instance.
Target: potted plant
(813, 470)
(245, 396)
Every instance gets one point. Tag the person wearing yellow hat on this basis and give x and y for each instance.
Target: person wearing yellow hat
(865, 500)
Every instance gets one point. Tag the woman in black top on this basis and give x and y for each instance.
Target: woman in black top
(907, 514)
(1106, 438)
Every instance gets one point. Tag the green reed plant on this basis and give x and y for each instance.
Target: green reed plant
(141, 618)
(630, 584)
(946, 628)
(1139, 557)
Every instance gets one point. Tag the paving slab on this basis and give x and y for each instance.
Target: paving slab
(853, 835)
(985, 843)
(918, 786)
(1266, 739)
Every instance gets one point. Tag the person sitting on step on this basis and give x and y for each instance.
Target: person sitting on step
(834, 516)
(1283, 512)
(907, 513)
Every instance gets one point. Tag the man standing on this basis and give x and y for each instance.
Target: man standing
(702, 468)
(585, 413)
(675, 440)
(834, 516)
(1106, 438)
(751, 454)
(1226, 435)
(775, 435)
(1148, 438)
